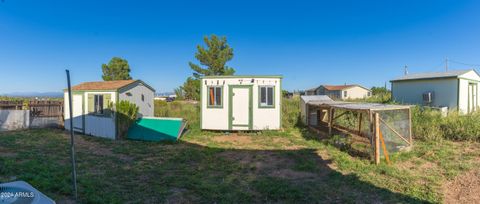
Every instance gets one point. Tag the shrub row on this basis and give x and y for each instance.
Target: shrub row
(430, 125)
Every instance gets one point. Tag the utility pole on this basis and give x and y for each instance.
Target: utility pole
(406, 70)
(446, 64)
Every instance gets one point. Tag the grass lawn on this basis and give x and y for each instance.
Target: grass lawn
(205, 167)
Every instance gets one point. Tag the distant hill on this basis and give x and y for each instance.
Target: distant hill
(34, 94)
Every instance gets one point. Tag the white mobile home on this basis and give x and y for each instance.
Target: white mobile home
(456, 89)
(241, 102)
(91, 111)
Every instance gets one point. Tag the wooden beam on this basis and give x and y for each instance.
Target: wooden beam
(410, 125)
(385, 152)
(330, 120)
(345, 130)
(394, 131)
(360, 124)
(371, 129)
(377, 141)
(338, 116)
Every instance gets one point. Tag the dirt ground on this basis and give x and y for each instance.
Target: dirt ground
(464, 188)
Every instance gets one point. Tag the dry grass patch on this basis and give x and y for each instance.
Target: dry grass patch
(464, 188)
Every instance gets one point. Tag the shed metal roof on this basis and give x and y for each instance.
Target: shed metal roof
(432, 75)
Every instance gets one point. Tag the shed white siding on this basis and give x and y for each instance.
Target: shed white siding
(445, 92)
(100, 126)
(134, 94)
(450, 90)
(217, 118)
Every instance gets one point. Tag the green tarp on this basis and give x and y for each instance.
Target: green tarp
(156, 129)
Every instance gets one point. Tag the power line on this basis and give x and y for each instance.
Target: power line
(467, 64)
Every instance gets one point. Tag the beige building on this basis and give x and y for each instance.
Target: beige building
(455, 89)
(342, 92)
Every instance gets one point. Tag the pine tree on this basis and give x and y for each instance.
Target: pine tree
(214, 57)
(212, 60)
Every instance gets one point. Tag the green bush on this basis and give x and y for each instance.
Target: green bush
(180, 109)
(430, 125)
(462, 127)
(290, 112)
(426, 124)
(126, 114)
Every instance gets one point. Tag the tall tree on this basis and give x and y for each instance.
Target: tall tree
(116, 69)
(214, 57)
(191, 89)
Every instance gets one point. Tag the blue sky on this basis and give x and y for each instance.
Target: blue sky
(308, 42)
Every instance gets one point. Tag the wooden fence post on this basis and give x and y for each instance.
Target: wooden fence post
(410, 125)
(330, 121)
(377, 139)
(360, 124)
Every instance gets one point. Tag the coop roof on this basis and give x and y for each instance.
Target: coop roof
(311, 98)
(432, 75)
(358, 106)
(106, 85)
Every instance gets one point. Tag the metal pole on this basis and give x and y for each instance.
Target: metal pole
(72, 138)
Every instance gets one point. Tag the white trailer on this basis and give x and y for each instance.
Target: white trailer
(241, 102)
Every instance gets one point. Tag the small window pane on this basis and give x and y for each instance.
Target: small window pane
(263, 95)
(98, 104)
(218, 96)
(270, 96)
(212, 96)
(215, 96)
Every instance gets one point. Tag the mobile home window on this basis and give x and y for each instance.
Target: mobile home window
(267, 96)
(143, 97)
(98, 104)
(215, 95)
(345, 94)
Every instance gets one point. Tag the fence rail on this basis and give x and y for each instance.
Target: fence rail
(37, 108)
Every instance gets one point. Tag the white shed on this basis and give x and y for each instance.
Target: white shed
(241, 102)
(456, 89)
(91, 113)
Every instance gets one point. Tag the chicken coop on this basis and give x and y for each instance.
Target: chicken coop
(386, 127)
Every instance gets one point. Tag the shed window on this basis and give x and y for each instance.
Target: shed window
(98, 104)
(143, 97)
(215, 95)
(267, 96)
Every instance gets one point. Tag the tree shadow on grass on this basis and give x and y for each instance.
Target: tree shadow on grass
(185, 172)
(355, 146)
